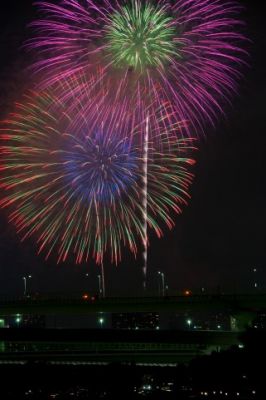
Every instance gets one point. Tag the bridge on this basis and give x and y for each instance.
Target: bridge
(243, 307)
(97, 346)
(105, 346)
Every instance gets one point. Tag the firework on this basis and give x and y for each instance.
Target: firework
(73, 180)
(140, 35)
(186, 53)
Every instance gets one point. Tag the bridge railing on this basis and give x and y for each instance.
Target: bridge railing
(202, 298)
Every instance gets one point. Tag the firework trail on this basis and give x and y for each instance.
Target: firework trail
(145, 200)
(72, 179)
(185, 53)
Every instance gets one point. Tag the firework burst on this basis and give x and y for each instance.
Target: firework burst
(72, 179)
(140, 36)
(186, 53)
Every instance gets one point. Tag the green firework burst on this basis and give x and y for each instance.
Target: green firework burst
(141, 35)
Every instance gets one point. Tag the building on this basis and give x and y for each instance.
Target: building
(139, 320)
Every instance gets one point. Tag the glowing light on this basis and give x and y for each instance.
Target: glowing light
(73, 180)
(140, 35)
(184, 53)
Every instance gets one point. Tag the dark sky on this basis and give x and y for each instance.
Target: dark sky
(220, 236)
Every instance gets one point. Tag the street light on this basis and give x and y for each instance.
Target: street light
(189, 322)
(25, 283)
(100, 285)
(255, 278)
(163, 287)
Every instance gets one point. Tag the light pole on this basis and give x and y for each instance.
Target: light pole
(163, 287)
(25, 283)
(255, 282)
(102, 280)
(100, 285)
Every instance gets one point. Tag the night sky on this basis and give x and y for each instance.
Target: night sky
(219, 238)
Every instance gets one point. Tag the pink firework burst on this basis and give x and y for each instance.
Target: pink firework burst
(186, 53)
